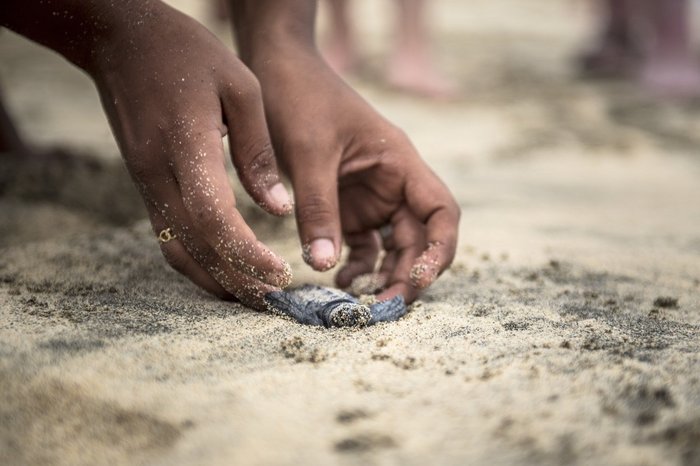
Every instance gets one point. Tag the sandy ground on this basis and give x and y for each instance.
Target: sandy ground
(547, 343)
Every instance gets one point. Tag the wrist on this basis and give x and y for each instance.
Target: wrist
(264, 28)
(82, 31)
(283, 60)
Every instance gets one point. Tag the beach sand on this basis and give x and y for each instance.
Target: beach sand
(567, 331)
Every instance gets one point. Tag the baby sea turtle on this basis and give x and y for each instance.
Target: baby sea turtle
(316, 305)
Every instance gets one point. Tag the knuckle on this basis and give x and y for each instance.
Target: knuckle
(314, 209)
(258, 160)
(204, 218)
(248, 89)
(454, 210)
(302, 144)
(396, 138)
(398, 135)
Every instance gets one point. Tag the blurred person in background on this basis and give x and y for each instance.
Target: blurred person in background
(649, 40)
(410, 67)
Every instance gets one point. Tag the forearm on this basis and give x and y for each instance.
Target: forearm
(264, 27)
(80, 30)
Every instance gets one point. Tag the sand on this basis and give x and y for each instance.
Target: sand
(567, 332)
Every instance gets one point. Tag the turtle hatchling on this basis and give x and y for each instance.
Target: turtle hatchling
(316, 305)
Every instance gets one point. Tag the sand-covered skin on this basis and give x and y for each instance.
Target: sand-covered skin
(546, 343)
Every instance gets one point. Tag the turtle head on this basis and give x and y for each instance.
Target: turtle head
(345, 313)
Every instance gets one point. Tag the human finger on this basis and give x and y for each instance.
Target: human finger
(251, 148)
(190, 254)
(316, 204)
(434, 206)
(364, 251)
(180, 259)
(159, 191)
(209, 202)
(405, 245)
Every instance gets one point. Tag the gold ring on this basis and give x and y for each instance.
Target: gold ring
(165, 235)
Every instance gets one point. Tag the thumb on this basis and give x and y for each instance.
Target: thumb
(318, 218)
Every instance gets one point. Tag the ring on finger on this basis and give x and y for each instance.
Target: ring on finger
(166, 235)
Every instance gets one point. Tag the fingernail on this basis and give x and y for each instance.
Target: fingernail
(280, 196)
(322, 253)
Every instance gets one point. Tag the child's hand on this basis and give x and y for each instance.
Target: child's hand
(171, 91)
(354, 175)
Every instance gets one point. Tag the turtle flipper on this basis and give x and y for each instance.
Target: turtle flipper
(385, 311)
(289, 305)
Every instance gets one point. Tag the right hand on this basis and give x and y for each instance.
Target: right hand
(355, 175)
(172, 91)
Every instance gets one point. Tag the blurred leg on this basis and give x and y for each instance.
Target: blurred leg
(617, 48)
(341, 51)
(671, 69)
(411, 66)
(219, 10)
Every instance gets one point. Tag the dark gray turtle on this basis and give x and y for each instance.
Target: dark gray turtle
(315, 305)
